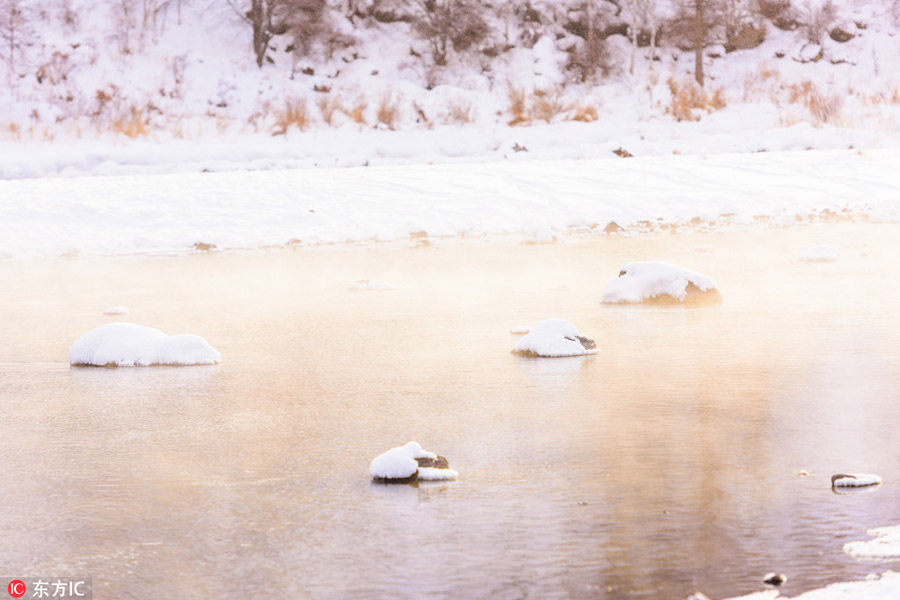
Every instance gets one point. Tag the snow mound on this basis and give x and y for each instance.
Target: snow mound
(886, 587)
(116, 310)
(519, 330)
(886, 544)
(129, 345)
(821, 253)
(554, 338)
(657, 282)
(374, 286)
(402, 464)
(855, 480)
(432, 474)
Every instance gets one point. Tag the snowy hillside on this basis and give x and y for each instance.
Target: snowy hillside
(342, 85)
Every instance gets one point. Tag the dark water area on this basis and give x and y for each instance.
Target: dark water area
(666, 462)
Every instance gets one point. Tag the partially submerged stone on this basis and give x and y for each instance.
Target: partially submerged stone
(657, 282)
(554, 338)
(855, 480)
(409, 463)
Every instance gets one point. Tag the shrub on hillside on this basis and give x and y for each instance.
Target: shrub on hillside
(450, 26)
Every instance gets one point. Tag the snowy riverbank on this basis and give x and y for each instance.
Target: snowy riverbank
(144, 214)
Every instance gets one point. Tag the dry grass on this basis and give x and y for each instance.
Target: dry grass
(357, 112)
(328, 107)
(460, 112)
(14, 131)
(133, 123)
(294, 113)
(388, 112)
(890, 97)
(518, 107)
(548, 104)
(689, 100)
(824, 108)
(585, 113)
(544, 105)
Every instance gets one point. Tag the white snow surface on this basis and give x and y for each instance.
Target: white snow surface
(399, 462)
(129, 345)
(116, 310)
(820, 253)
(144, 214)
(885, 546)
(432, 474)
(858, 480)
(644, 280)
(552, 338)
(875, 587)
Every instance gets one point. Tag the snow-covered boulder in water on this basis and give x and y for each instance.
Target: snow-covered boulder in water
(657, 282)
(405, 464)
(855, 480)
(821, 253)
(555, 338)
(129, 345)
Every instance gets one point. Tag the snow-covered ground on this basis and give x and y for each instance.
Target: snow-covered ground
(49, 217)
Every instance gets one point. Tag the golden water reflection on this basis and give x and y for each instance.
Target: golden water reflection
(665, 462)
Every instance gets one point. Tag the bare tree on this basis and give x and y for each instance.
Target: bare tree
(12, 23)
(643, 14)
(304, 21)
(590, 57)
(446, 25)
(697, 23)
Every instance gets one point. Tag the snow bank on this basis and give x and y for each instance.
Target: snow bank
(554, 338)
(855, 480)
(400, 464)
(821, 253)
(372, 286)
(886, 587)
(886, 545)
(659, 282)
(874, 587)
(129, 345)
(117, 215)
(116, 310)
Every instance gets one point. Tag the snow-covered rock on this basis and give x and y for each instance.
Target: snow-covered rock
(410, 463)
(555, 338)
(129, 345)
(372, 286)
(116, 310)
(657, 282)
(886, 544)
(855, 480)
(821, 253)
(519, 330)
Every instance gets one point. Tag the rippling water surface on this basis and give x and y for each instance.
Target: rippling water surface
(663, 463)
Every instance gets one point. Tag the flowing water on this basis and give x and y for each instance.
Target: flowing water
(666, 462)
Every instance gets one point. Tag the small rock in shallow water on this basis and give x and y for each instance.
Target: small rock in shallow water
(409, 463)
(775, 578)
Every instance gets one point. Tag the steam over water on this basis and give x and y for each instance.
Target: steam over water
(663, 463)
